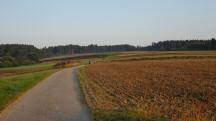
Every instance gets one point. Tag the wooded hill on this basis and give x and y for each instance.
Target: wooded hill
(19, 54)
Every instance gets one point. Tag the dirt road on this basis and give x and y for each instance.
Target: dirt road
(55, 99)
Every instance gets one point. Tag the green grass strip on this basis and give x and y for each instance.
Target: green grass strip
(13, 86)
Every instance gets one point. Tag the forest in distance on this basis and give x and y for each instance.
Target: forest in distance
(20, 54)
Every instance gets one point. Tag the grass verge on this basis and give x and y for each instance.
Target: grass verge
(11, 71)
(123, 116)
(13, 86)
(39, 65)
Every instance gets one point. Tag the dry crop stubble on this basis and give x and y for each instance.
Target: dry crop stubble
(177, 89)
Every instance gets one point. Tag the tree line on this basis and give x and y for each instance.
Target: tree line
(177, 45)
(19, 54)
(76, 49)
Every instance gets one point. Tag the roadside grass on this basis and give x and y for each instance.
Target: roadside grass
(123, 116)
(16, 80)
(12, 87)
(26, 69)
(28, 66)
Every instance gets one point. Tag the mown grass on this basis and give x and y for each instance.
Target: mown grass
(13, 86)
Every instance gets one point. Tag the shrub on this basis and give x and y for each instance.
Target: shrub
(8, 61)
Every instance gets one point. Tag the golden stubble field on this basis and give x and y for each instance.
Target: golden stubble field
(177, 89)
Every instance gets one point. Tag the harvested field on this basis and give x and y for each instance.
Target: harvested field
(180, 90)
(164, 55)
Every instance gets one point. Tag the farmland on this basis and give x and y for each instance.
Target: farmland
(163, 55)
(177, 89)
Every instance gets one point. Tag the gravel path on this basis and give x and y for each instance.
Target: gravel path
(57, 98)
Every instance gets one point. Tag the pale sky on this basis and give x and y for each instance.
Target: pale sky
(105, 22)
